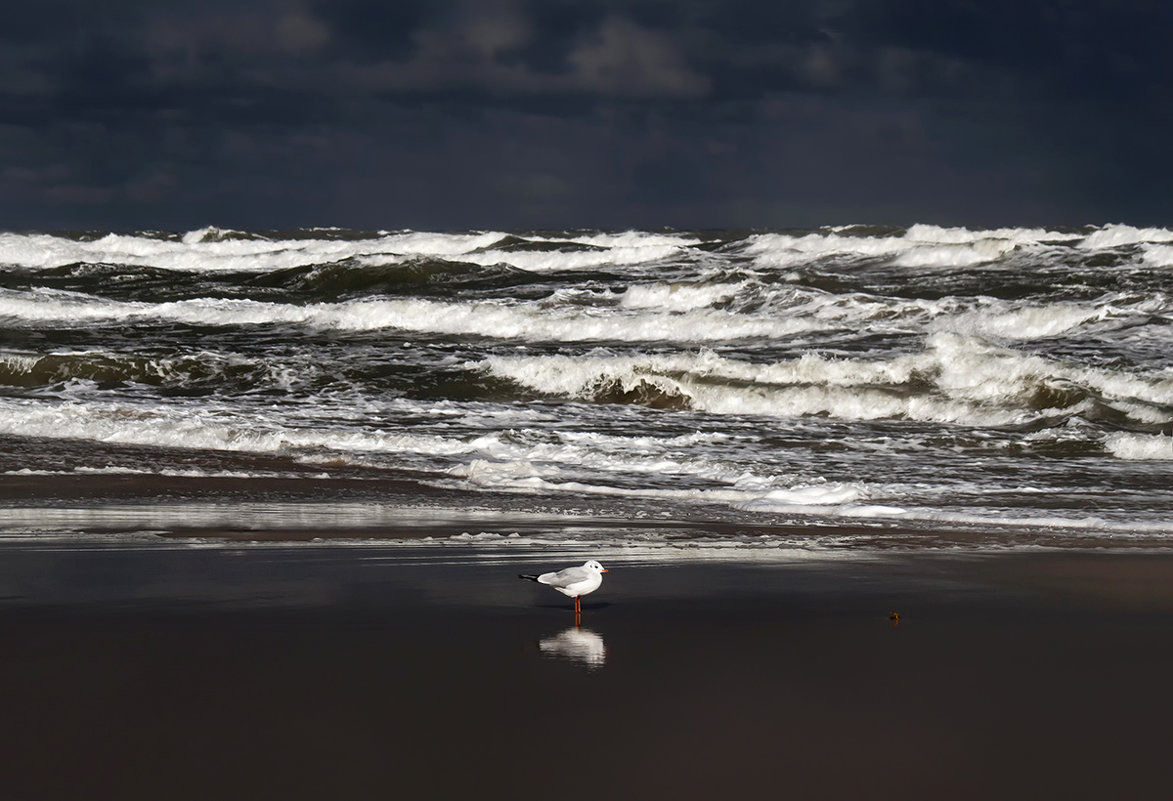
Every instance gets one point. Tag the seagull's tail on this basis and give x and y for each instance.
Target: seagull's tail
(527, 576)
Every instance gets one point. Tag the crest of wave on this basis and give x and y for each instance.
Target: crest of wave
(213, 249)
(955, 379)
(920, 245)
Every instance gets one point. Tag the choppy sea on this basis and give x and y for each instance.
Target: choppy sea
(839, 388)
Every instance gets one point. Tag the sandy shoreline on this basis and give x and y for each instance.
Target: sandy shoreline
(311, 671)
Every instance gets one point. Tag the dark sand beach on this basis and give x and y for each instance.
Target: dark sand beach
(233, 670)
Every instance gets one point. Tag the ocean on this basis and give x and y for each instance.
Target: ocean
(835, 390)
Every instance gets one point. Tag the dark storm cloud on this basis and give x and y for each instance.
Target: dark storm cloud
(504, 113)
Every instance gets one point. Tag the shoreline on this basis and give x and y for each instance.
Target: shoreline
(1124, 578)
(248, 496)
(218, 510)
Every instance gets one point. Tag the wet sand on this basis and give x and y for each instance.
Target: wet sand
(230, 671)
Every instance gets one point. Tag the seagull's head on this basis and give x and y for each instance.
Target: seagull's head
(596, 567)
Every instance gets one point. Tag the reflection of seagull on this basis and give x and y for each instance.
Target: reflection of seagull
(577, 645)
(573, 581)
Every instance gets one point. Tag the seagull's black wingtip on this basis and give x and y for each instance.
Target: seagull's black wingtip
(527, 576)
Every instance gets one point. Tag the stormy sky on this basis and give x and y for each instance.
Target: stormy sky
(459, 114)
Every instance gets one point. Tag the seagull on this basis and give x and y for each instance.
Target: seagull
(573, 582)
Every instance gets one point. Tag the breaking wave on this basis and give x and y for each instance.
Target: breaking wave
(955, 379)
(947, 375)
(189, 372)
(697, 312)
(222, 250)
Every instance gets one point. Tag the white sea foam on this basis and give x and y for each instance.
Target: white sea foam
(539, 261)
(919, 246)
(972, 383)
(1159, 255)
(809, 495)
(676, 297)
(934, 234)
(820, 499)
(539, 461)
(651, 312)
(1139, 446)
(979, 252)
(1024, 322)
(751, 493)
(626, 239)
(211, 249)
(517, 460)
(203, 251)
(783, 250)
(206, 250)
(213, 427)
(927, 246)
(532, 321)
(546, 261)
(423, 243)
(655, 312)
(202, 428)
(1112, 236)
(1095, 528)
(42, 305)
(19, 362)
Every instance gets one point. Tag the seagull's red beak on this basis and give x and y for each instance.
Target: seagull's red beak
(605, 570)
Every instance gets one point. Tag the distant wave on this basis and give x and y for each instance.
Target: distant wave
(682, 312)
(212, 249)
(532, 321)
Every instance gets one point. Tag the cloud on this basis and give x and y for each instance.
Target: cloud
(616, 111)
(487, 53)
(299, 31)
(623, 59)
(493, 28)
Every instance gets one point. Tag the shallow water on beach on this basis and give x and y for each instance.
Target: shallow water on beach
(826, 389)
(335, 669)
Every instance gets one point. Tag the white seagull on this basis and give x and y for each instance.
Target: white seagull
(573, 582)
